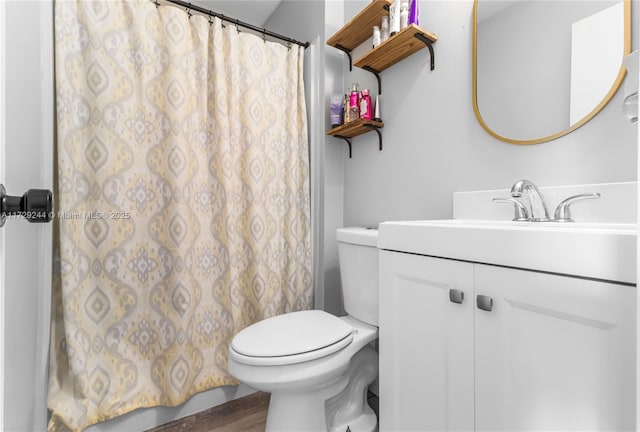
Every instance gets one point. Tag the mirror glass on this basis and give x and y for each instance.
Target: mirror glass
(543, 68)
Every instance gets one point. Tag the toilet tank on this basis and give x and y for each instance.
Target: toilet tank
(358, 255)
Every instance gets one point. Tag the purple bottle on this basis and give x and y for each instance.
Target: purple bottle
(336, 107)
(413, 13)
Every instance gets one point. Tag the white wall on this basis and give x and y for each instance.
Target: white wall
(434, 146)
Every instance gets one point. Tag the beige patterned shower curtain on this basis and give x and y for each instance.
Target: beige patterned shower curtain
(182, 203)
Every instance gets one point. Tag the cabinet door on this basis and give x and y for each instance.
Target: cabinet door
(555, 353)
(426, 344)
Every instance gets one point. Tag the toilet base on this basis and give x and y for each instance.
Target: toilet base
(367, 422)
(340, 404)
(301, 411)
(349, 409)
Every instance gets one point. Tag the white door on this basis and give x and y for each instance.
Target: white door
(554, 353)
(425, 344)
(2, 177)
(26, 160)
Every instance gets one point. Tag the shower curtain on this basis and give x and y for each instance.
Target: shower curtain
(182, 203)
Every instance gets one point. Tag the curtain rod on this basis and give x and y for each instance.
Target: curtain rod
(235, 21)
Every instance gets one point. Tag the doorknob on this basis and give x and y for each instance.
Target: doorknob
(35, 205)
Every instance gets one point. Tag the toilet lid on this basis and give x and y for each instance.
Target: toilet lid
(291, 334)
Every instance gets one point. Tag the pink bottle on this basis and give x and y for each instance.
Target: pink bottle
(365, 105)
(354, 103)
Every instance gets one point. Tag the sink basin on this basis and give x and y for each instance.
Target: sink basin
(592, 250)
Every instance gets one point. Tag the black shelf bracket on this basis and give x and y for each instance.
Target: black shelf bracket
(348, 53)
(429, 45)
(348, 141)
(376, 129)
(377, 74)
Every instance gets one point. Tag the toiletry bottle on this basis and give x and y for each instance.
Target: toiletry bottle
(376, 36)
(335, 109)
(413, 13)
(376, 114)
(365, 105)
(394, 17)
(384, 28)
(404, 14)
(354, 103)
(345, 109)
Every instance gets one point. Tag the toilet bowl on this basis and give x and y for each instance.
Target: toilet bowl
(317, 366)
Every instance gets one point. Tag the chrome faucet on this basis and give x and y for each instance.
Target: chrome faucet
(539, 212)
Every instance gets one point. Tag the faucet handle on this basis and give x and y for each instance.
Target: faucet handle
(563, 211)
(520, 214)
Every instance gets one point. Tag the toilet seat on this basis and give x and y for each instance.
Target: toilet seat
(291, 338)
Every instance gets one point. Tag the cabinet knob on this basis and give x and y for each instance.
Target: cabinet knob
(456, 296)
(484, 302)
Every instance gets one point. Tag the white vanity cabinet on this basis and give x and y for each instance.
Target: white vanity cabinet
(553, 353)
(425, 344)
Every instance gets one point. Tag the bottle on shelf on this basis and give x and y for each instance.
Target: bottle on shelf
(335, 108)
(376, 114)
(384, 28)
(413, 13)
(354, 103)
(376, 36)
(394, 17)
(404, 14)
(345, 109)
(365, 105)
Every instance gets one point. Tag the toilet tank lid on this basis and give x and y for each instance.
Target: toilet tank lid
(358, 236)
(291, 334)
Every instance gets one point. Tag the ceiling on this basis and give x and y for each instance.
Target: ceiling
(255, 12)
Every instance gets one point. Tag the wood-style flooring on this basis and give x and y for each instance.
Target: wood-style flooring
(246, 414)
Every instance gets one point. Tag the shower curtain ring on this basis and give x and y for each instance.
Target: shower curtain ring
(264, 37)
(157, 4)
(210, 19)
(189, 10)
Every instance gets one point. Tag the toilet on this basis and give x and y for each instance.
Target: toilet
(317, 366)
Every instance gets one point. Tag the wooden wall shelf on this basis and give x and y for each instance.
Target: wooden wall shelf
(360, 28)
(398, 47)
(356, 128)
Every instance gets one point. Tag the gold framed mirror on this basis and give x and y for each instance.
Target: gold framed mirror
(542, 69)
